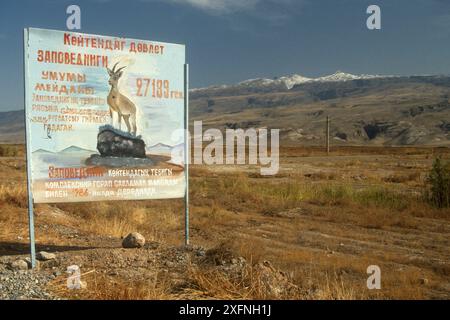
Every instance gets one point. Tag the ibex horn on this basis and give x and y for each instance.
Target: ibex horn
(119, 69)
(113, 69)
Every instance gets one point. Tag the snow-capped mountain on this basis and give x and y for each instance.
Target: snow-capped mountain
(291, 80)
(342, 76)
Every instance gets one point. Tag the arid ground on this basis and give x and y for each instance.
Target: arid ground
(309, 232)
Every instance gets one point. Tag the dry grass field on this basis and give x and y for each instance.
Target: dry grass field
(322, 220)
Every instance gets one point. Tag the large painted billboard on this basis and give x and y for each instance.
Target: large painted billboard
(105, 117)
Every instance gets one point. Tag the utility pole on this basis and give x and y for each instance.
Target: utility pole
(327, 133)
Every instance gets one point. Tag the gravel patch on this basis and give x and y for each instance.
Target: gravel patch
(24, 285)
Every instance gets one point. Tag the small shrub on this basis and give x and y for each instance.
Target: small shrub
(382, 198)
(439, 184)
(331, 194)
(16, 195)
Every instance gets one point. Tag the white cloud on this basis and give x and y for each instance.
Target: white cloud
(219, 6)
(275, 12)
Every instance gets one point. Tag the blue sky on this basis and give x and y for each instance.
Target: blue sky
(232, 40)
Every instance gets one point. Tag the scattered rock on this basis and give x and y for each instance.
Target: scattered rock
(219, 256)
(30, 266)
(133, 240)
(19, 285)
(276, 282)
(45, 256)
(152, 245)
(200, 253)
(424, 281)
(19, 265)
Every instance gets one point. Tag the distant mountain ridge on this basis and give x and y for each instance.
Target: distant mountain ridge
(364, 109)
(41, 151)
(160, 148)
(164, 149)
(72, 149)
(292, 80)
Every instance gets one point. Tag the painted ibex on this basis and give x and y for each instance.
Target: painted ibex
(119, 103)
